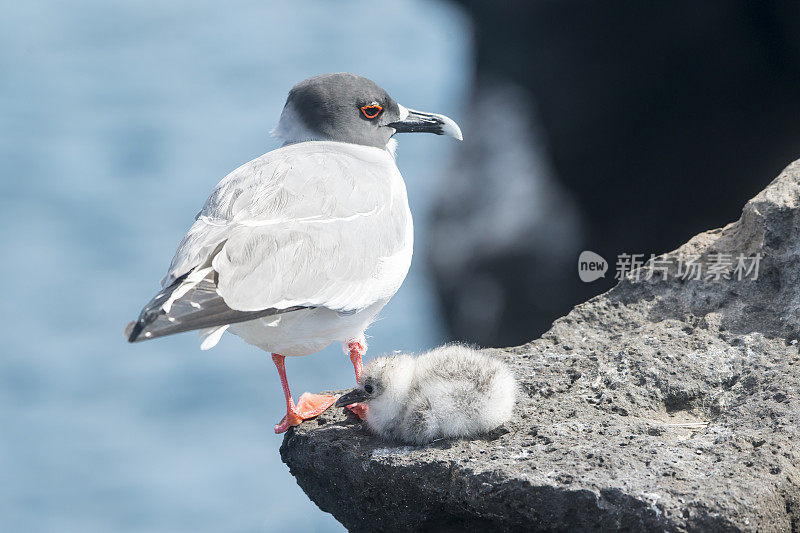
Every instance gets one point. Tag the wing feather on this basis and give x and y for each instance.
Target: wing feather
(308, 225)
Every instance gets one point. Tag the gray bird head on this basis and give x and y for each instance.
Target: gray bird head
(347, 108)
(386, 379)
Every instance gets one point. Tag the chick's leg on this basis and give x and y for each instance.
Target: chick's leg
(308, 406)
(357, 348)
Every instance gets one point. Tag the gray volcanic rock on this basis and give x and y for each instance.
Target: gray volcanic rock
(664, 404)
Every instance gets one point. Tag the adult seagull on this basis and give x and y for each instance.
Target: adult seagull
(304, 245)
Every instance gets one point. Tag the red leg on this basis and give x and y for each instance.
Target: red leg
(359, 409)
(357, 349)
(309, 405)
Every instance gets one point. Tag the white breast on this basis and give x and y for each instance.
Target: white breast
(363, 277)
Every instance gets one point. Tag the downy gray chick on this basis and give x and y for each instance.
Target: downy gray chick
(451, 391)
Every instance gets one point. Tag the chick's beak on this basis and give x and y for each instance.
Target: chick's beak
(418, 122)
(354, 396)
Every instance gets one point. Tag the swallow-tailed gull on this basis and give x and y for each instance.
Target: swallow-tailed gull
(451, 391)
(304, 245)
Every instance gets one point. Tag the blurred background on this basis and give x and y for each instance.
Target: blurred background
(604, 126)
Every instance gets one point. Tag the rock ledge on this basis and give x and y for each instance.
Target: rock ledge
(664, 404)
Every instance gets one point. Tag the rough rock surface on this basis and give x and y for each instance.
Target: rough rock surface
(666, 405)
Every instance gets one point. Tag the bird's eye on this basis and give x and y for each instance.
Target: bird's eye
(371, 111)
(368, 388)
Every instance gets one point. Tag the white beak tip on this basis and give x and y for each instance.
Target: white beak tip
(449, 127)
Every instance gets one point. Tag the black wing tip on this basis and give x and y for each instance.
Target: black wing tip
(133, 330)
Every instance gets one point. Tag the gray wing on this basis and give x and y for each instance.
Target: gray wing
(308, 225)
(200, 307)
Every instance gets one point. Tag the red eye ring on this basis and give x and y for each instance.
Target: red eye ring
(371, 111)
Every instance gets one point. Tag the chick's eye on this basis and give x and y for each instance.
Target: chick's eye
(371, 111)
(368, 388)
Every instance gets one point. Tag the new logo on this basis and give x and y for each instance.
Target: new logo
(591, 266)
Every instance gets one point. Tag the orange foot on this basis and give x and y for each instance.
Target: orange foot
(308, 406)
(360, 409)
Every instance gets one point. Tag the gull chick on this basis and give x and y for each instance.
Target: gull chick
(304, 245)
(451, 391)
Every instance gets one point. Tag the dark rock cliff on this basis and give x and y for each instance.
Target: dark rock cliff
(616, 127)
(664, 404)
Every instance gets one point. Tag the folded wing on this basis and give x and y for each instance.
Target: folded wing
(308, 225)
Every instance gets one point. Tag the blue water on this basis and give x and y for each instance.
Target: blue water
(116, 119)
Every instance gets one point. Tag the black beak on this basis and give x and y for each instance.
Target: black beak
(419, 122)
(354, 396)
